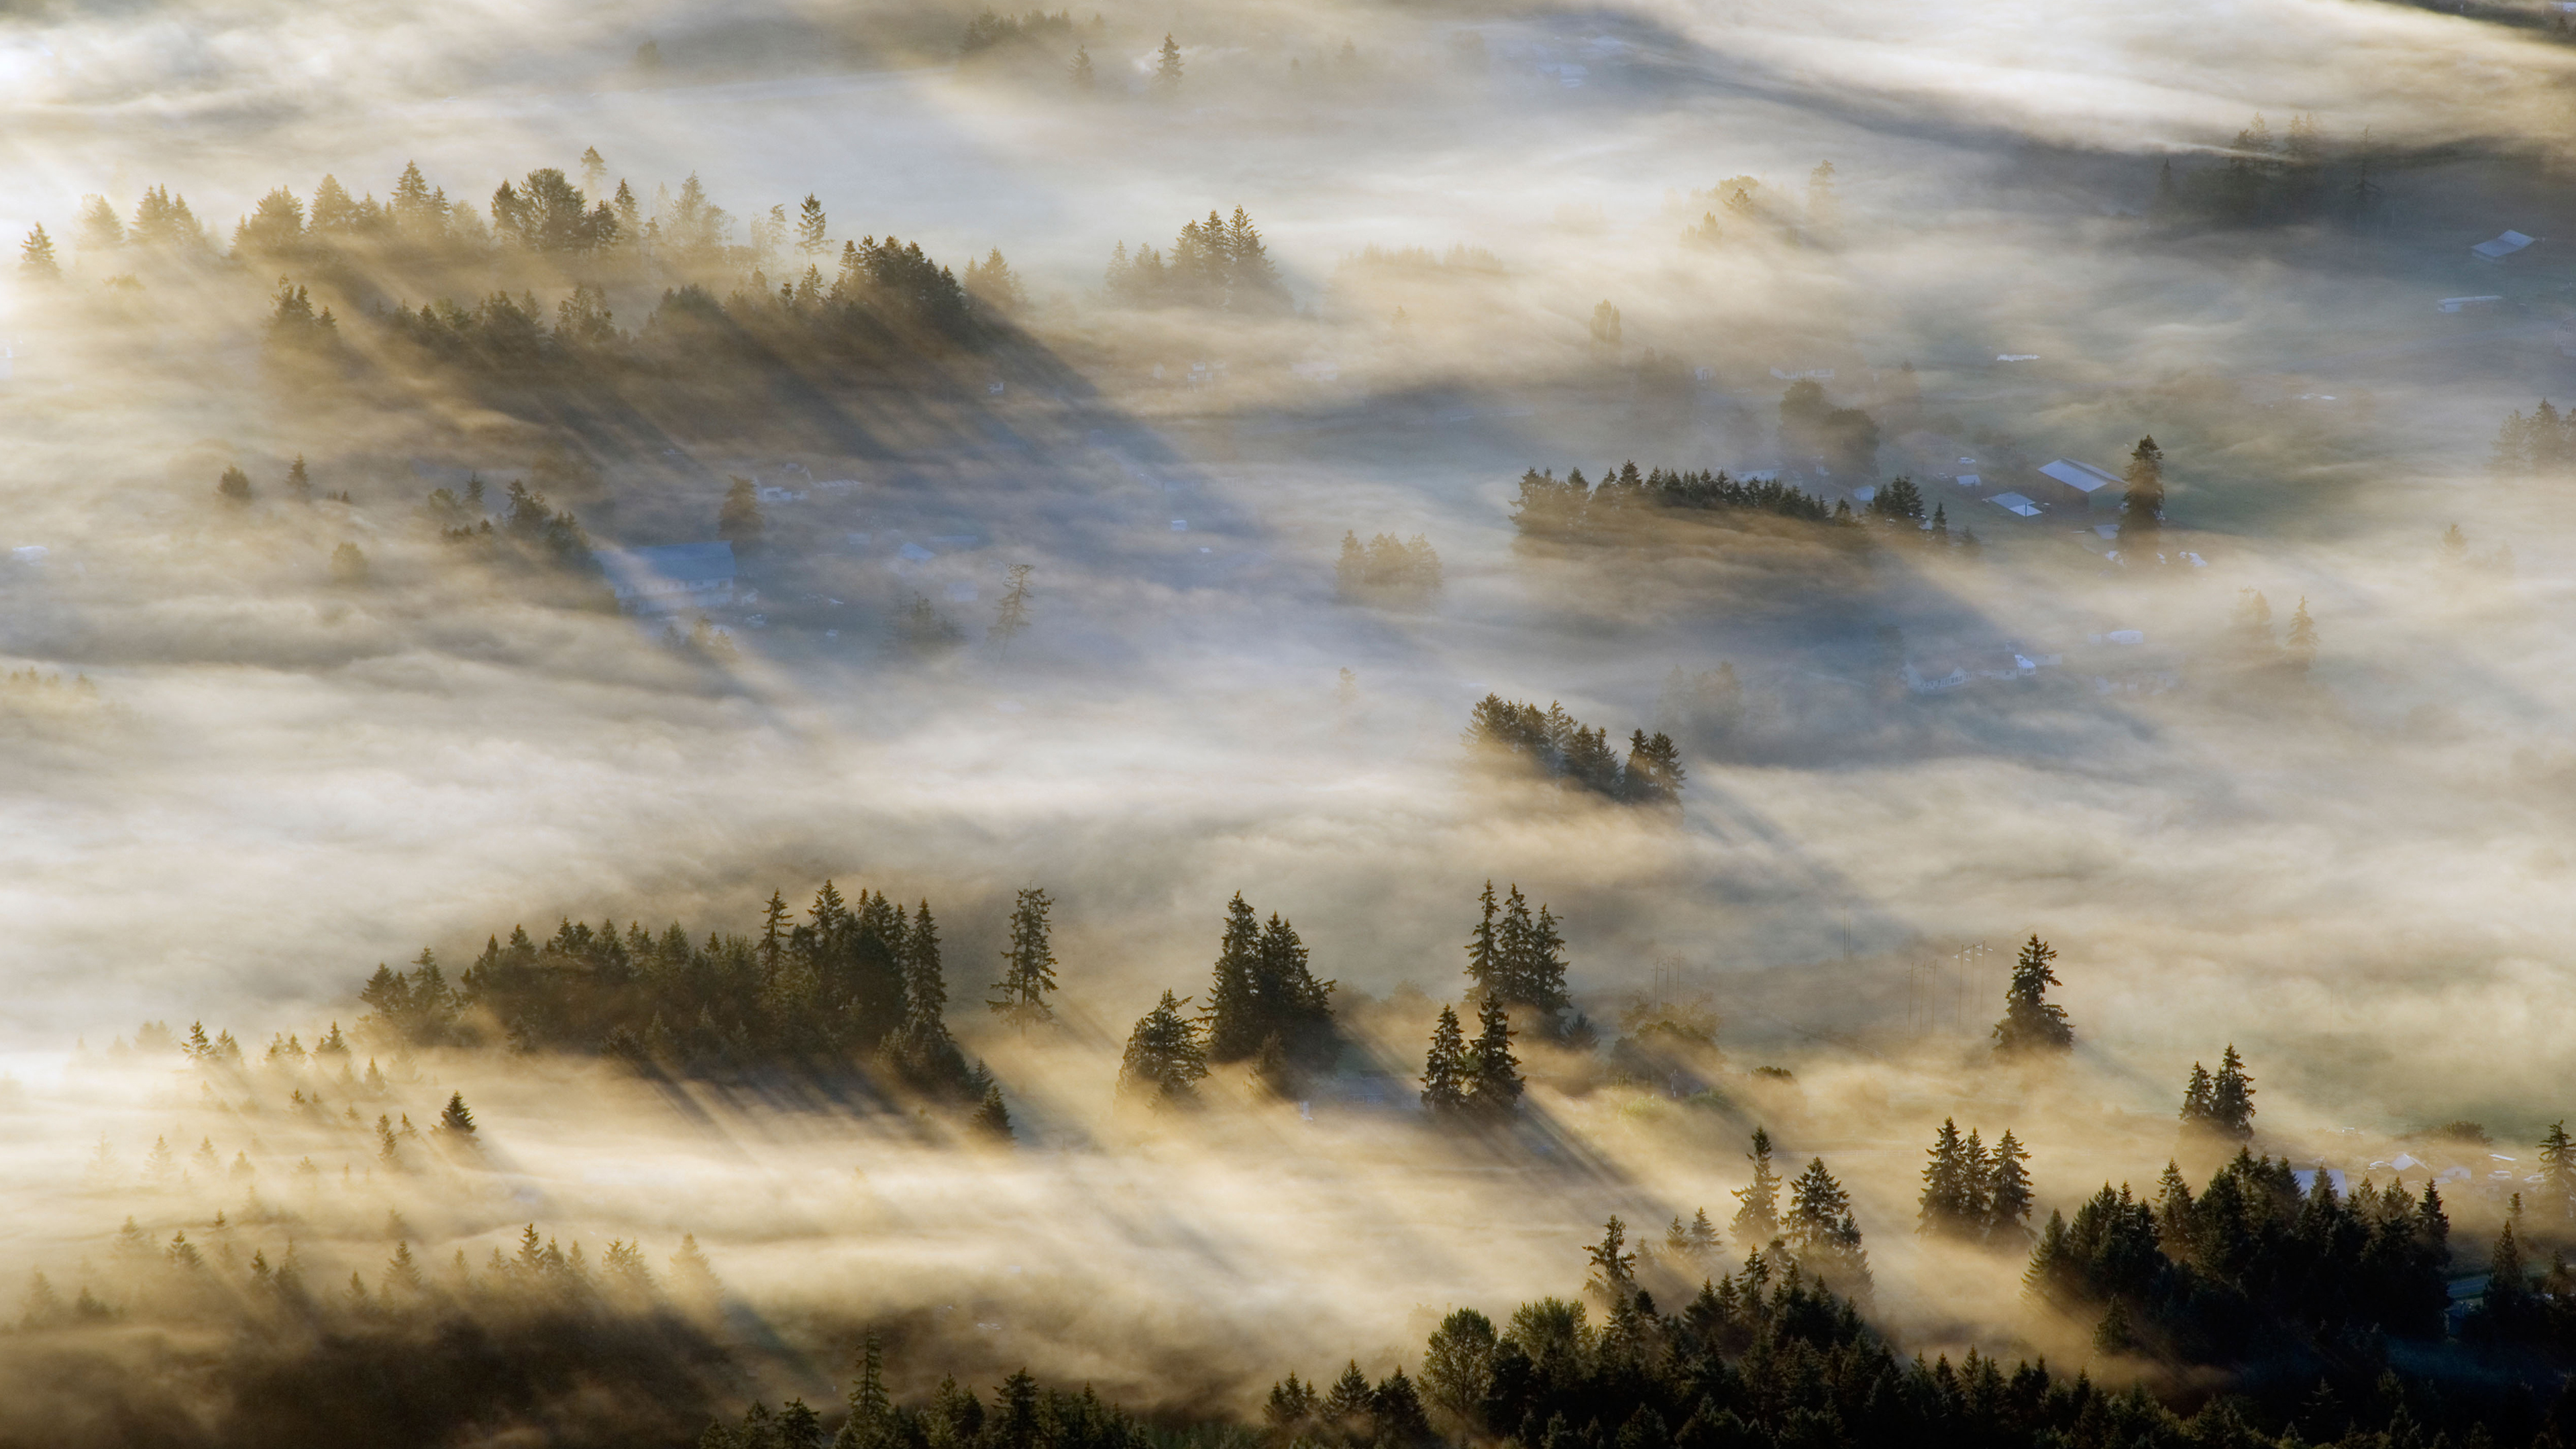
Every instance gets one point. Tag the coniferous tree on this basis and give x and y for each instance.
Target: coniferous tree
(993, 1117)
(1028, 970)
(2142, 501)
(1167, 66)
(1757, 1219)
(739, 521)
(1944, 1204)
(2299, 647)
(1444, 1068)
(1164, 1060)
(1235, 1018)
(233, 486)
(2231, 1098)
(456, 1121)
(1821, 1230)
(2032, 1023)
(36, 261)
(1493, 1073)
(1085, 79)
(1485, 969)
(2008, 1194)
(812, 238)
(2558, 1168)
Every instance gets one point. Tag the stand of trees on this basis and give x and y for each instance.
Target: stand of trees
(1629, 507)
(1220, 264)
(1386, 569)
(1555, 744)
(852, 982)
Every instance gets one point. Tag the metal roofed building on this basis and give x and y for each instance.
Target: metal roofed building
(674, 576)
(2016, 504)
(2072, 485)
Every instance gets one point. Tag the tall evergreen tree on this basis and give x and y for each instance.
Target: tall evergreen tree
(1822, 1231)
(1028, 969)
(1484, 953)
(1011, 616)
(812, 238)
(2142, 500)
(1444, 1068)
(2558, 1168)
(1943, 1206)
(36, 260)
(1757, 1218)
(2231, 1097)
(1167, 66)
(1085, 79)
(2008, 1194)
(1493, 1073)
(1164, 1061)
(1236, 1023)
(2299, 647)
(2031, 1022)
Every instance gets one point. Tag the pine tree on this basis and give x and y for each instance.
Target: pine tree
(2231, 1097)
(1167, 66)
(1444, 1068)
(993, 1117)
(2008, 1194)
(1164, 1061)
(1012, 615)
(1821, 1229)
(739, 521)
(1028, 971)
(1757, 1220)
(1085, 79)
(2198, 1098)
(1493, 1073)
(2142, 502)
(1942, 1206)
(1614, 1268)
(1485, 969)
(36, 260)
(2558, 1168)
(299, 480)
(2031, 1022)
(2299, 648)
(234, 486)
(871, 1423)
(456, 1121)
(812, 238)
(774, 929)
(1235, 1018)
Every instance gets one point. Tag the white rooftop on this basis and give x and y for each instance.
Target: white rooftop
(2503, 246)
(2082, 477)
(2015, 503)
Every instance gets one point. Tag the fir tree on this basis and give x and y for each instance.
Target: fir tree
(299, 480)
(2142, 501)
(36, 260)
(1757, 1219)
(1167, 67)
(2008, 1194)
(2031, 1022)
(739, 521)
(1444, 1068)
(2299, 647)
(1085, 79)
(1945, 1203)
(1235, 1026)
(2231, 1098)
(234, 486)
(1493, 1073)
(1821, 1229)
(1028, 969)
(455, 1119)
(993, 1117)
(812, 239)
(2558, 1168)
(1485, 970)
(1614, 1268)
(2197, 1097)
(1164, 1060)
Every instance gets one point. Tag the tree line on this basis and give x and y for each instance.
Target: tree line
(1555, 745)
(1219, 264)
(1386, 569)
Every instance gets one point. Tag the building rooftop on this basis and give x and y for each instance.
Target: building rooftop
(2082, 477)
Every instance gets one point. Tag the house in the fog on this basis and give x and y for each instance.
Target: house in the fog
(674, 576)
